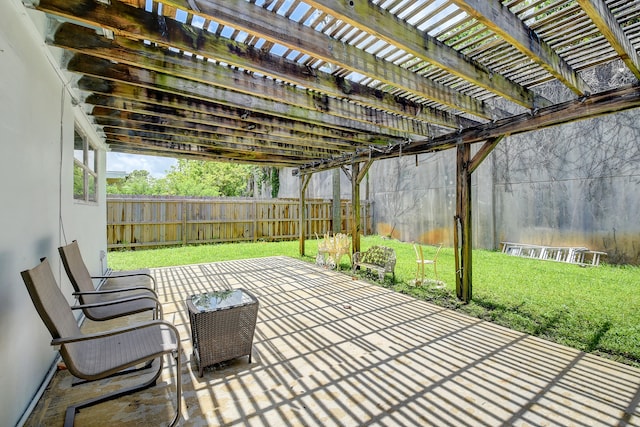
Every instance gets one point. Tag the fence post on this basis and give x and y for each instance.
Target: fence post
(123, 225)
(184, 222)
(255, 220)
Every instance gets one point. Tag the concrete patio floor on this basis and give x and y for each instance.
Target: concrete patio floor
(333, 351)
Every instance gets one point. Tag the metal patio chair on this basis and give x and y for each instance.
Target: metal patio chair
(421, 261)
(122, 301)
(104, 354)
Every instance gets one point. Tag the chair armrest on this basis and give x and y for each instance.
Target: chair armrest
(113, 291)
(120, 301)
(116, 331)
(119, 275)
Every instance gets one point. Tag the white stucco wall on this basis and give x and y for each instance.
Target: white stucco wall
(38, 212)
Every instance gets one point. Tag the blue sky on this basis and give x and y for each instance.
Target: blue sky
(121, 162)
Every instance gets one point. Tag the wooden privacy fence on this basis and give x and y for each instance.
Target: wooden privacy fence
(170, 221)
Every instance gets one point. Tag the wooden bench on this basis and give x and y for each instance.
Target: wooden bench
(377, 258)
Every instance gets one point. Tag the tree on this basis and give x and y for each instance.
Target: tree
(198, 178)
(137, 182)
(211, 179)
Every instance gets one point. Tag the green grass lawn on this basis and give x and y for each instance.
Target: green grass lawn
(594, 309)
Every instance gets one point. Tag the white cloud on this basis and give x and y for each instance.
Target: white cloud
(157, 166)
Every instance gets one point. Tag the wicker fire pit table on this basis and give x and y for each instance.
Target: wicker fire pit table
(222, 326)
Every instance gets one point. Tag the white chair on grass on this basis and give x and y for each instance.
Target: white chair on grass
(421, 261)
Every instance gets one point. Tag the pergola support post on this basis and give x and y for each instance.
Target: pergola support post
(462, 231)
(336, 205)
(356, 176)
(355, 208)
(304, 182)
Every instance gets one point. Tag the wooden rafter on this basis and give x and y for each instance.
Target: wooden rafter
(324, 83)
(374, 20)
(611, 30)
(217, 126)
(120, 97)
(188, 88)
(238, 14)
(154, 57)
(503, 22)
(587, 107)
(204, 138)
(273, 27)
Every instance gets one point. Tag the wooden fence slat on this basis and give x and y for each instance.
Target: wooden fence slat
(173, 221)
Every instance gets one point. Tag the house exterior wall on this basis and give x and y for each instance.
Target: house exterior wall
(38, 211)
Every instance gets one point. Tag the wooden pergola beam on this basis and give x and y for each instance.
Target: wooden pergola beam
(587, 107)
(159, 58)
(371, 18)
(199, 139)
(463, 224)
(189, 155)
(312, 114)
(613, 32)
(136, 23)
(218, 134)
(499, 19)
(121, 97)
(358, 172)
(182, 145)
(483, 152)
(272, 27)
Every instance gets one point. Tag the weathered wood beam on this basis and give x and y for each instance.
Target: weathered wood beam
(184, 145)
(336, 202)
(137, 23)
(499, 19)
(600, 104)
(483, 152)
(613, 32)
(463, 225)
(278, 29)
(136, 53)
(88, 65)
(123, 97)
(175, 154)
(122, 118)
(304, 183)
(356, 175)
(371, 18)
(205, 138)
(139, 136)
(355, 207)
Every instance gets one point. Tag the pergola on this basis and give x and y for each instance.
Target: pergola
(317, 85)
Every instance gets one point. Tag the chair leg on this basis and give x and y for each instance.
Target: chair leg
(79, 381)
(420, 272)
(176, 357)
(74, 409)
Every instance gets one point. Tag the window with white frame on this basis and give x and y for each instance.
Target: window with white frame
(85, 162)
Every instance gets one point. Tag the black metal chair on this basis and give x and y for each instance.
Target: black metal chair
(100, 355)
